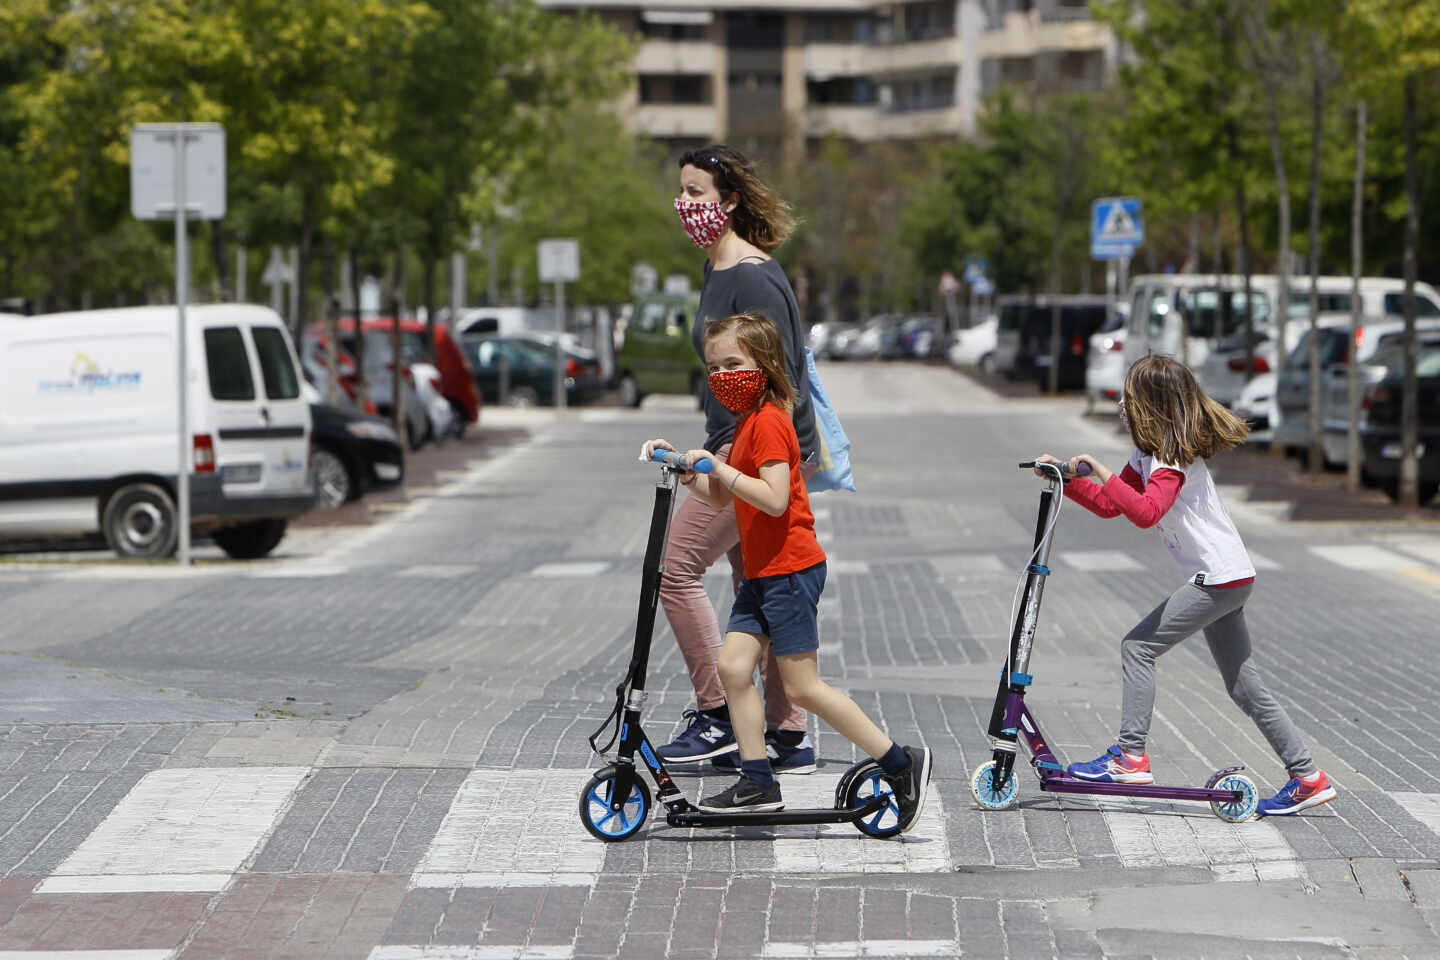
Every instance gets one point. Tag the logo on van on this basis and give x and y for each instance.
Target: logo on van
(87, 377)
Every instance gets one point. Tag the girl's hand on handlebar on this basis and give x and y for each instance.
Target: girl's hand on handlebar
(693, 457)
(1098, 470)
(648, 450)
(1045, 458)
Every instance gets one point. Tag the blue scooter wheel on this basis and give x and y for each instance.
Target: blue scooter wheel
(609, 825)
(987, 794)
(1241, 809)
(862, 782)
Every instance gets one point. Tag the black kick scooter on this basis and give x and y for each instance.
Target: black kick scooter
(616, 801)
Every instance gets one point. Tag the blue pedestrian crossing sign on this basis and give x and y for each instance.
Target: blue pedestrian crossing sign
(1117, 227)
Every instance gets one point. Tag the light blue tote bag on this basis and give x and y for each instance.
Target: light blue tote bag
(834, 472)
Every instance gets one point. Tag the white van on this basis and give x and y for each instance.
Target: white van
(88, 438)
(1213, 307)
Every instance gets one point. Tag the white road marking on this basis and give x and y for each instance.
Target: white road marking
(1363, 556)
(303, 569)
(191, 828)
(496, 834)
(1101, 560)
(863, 948)
(968, 564)
(582, 568)
(438, 571)
(857, 568)
(1172, 835)
(487, 952)
(1424, 807)
(86, 954)
(840, 848)
(130, 883)
(1427, 548)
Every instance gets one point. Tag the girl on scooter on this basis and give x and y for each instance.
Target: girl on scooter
(1175, 428)
(776, 606)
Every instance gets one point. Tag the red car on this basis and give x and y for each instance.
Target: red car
(457, 380)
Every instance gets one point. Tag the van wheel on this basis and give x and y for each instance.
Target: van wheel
(250, 541)
(698, 385)
(139, 521)
(521, 397)
(629, 392)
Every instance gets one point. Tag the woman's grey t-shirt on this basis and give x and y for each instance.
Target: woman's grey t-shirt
(756, 287)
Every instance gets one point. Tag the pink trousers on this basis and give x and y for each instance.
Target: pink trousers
(699, 536)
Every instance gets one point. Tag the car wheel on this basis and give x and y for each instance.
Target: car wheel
(334, 487)
(629, 391)
(250, 541)
(462, 421)
(523, 397)
(139, 521)
(698, 385)
(987, 364)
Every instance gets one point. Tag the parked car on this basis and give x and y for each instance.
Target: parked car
(842, 341)
(88, 432)
(446, 420)
(379, 378)
(920, 337)
(877, 339)
(457, 380)
(975, 346)
(315, 366)
(658, 355)
(1257, 404)
(1380, 428)
(1293, 384)
(1223, 373)
(1080, 316)
(1010, 312)
(352, 453)
(1105, 361)
(529, 372)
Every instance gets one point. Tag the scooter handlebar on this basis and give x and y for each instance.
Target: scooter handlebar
(676, 461)
(1064, 465)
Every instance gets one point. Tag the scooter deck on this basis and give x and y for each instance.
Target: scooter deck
(695, 817)
(1154, 791)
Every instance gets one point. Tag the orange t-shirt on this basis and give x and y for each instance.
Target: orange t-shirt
(773, 545)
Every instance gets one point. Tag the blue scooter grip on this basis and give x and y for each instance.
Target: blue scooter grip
(677, 460)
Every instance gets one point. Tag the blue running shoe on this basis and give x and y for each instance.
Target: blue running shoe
(783, 757)
(705, 737)
(1298, 795)
(1113, 766)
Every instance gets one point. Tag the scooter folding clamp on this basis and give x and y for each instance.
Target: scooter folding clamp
(1039, 568)
(636, 699)
(1021, 679)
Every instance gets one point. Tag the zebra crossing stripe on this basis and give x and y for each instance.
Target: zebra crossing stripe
(1262, 563)
(1101, 560)
(863, 948)
(179, 830)
(486, 952)
(86, 954)
(580, 568)
(1424, 807)
(844, 849)
(1363, 556)
(1172, 835)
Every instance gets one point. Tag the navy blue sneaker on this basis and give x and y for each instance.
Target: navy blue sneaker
(783, 757)
(706, 737)
(1298, 795)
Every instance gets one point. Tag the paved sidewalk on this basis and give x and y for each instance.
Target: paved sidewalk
(374, 747)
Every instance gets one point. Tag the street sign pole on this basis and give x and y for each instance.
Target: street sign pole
(559, 344)
(182, 293)
(559, 261)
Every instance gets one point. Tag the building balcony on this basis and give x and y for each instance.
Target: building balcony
(676, 56)
(853, 121)
(1026, 34)
(676, 120)
(914, 124)
(825, 60)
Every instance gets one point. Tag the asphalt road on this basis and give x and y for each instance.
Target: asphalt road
(372, 744)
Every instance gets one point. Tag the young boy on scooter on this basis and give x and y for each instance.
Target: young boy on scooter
(777, 604)
(1167, 485)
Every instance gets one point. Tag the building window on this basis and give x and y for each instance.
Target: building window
(840, 91)
(675, 88)
(839, 28)
(755, 80)
(930, 20)
(676, 24)
(933, 92)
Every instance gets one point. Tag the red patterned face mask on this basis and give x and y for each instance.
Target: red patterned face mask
(703, 219)
(739, 390)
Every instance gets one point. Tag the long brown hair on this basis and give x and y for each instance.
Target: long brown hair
(760, 216)
(1171, 418)
(758, 336)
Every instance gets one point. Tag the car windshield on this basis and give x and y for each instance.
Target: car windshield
(1200, 307)
(1332, 349)
(1390, 354)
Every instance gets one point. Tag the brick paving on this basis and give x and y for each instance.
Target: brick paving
(442, 691)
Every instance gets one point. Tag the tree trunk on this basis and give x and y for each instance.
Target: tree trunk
(1357, 267)
(1317, 138)
(1053, 381)
(362, 383)
(1233, 139)
(302, 269)
(332, 331)
(397, 378)
(222, 260)
(1409, 407)
(432, 267)
(1282, 192)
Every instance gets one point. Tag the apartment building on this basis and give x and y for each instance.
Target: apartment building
(772, 76)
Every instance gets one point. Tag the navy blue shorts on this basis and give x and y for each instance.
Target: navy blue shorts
(783, 607)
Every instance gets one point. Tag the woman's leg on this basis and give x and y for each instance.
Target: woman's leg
(1187, 611)
(738, 659)
(800, 672)
(699, 536)
(1229, 640)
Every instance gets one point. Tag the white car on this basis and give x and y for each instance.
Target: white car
(1257, 404)
(89, 432)
(1105, 362)
(975, 346)
(443, 422)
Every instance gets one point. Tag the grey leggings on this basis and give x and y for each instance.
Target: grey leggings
(1220, 612)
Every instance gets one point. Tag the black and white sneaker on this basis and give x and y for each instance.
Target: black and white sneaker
(744, 796)
(910, 787)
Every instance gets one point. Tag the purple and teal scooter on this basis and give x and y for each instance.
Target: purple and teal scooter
(1231, 795)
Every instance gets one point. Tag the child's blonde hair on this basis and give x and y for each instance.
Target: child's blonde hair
(1171, 418)
(758, 336)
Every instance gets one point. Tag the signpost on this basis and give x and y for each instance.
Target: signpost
(1117, 227)
(277, 274)
(559, 264)
(178, 170)
(977, 276)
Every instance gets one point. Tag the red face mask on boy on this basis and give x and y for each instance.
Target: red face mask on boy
(739, 390)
